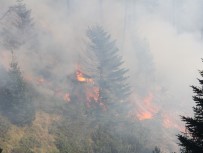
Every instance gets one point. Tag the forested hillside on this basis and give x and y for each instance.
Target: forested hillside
(99, 76)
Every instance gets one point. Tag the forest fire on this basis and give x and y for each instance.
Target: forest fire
(90, 90)
(144, 116)
(81, 78)
(149, 109)
(148, 112)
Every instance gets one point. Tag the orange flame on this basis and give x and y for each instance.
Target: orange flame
(81, 78)
(144, 116)
(92, 92)
(149, 109)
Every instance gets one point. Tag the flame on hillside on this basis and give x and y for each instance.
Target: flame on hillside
(149, 109)
(146, 109)
(91, 90)
(81, 77)
(144, 116)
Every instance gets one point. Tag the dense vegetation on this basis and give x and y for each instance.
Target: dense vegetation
(87, 111)
(16, 101)
(191, 141)
(31, 122)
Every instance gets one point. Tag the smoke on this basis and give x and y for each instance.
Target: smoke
(159, 41)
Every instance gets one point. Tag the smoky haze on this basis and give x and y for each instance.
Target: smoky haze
(160, 42)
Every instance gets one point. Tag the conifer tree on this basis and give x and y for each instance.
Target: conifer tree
(192, 140)
(16, 103)
(16, 26)
(107, 69)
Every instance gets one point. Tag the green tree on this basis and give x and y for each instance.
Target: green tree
(192, 140)
(107, 70)
(16, 26)
(15, 99)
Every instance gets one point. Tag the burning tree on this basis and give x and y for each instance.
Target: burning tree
(100, 84)
(15, 101)
(192, 140)
(107, 70)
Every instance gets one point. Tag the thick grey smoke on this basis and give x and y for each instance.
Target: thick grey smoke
(159, 40)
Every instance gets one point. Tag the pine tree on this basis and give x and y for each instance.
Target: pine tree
(192, 140)
(17, 26)
(16, 102)
(107, 69)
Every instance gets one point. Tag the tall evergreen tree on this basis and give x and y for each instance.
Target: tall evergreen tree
(192, 140)
(15, 100)
(107, 69)
(16, 26)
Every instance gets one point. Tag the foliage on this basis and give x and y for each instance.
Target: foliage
(29, 142)
(16, 103)
(70, 132)
(101, 128)
(104, 141)
(26, 145)
(79, 132)
(17, 26)
(108, 141)
(106, 68)
(22, 150)
(4, 127)
(192, 140)
(100, 139)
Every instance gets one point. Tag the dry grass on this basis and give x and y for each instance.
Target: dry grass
(39, 130)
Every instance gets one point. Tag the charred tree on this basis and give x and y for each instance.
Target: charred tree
(192, 140)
